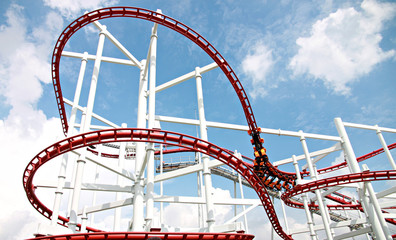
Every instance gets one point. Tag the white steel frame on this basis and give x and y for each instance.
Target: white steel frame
(143, 178)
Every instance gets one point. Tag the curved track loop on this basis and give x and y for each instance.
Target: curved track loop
(147, 235)
(151, 16)
(336, 181)
(153, 136)
(273, 178)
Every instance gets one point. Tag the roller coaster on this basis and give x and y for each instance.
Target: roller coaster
(95, 143)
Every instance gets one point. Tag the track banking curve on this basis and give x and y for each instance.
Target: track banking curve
(263, 168)
(261, 174)
(153, 136)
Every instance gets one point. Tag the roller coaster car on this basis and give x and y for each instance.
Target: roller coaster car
(286, 185)
(268, 181)
(278, 186)
(273, 184)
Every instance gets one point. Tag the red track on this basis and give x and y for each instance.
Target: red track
(153, 136)
(147, 235)
(261, 175)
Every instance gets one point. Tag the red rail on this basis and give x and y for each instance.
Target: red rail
(152, 136)
(261, 175)
(148, 235)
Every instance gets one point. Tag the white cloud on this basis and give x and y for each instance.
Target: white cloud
(24, 67)
(256, 66)
(71, 8)
(344, 46)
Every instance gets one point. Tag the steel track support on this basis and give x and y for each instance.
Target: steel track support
(386, 149)
(138, 188)
(312, 170)
(354, 168)
(86, 127)
(312, 232)
(65, 159)
(374, 202)
(120, 182)
(151, 125)
(210, 220)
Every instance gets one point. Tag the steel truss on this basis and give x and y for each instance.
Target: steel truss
(95, 143)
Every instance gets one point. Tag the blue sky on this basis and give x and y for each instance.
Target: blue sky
(303, 63)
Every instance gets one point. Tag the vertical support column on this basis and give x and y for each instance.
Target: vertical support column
(284, 212)
(151, 124)
(161, 185)
(205, 158)
(354, 168)
(305, 201)
(81, 161)
(138, 197)
(377, 208)
(69, 204)
(239, 156)
(121, 164)
(201, 220)
(65, 159)
(317, 192)
(386, 149)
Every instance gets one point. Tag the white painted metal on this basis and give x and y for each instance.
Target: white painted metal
(86, 127)
(385, 147)
(305, 202)
(354, 168)
(104, 59)
(151, 125)
(313, 174)
(210, 215)
(120, 181)
(374, 202)
(97, 117)
(143, 178)
(185, 77)
(138, 199)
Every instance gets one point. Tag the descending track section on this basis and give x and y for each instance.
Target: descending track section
(152, 136)
(272, 178)
(259, 172)
(270, 175)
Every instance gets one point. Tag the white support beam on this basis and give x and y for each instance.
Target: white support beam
(104, 59)
(334, 148)
(117, 44)
(242, 213)
(388, 204)
(201, 200)
(386, 192)
(389, 215)
(278, 132)
(185, 77)
(332, 225)
(369, 127)
(353, 233)
(95, 159)
(185, 171)
(327, 192)
(97, 117)
(88, 187)
(106, 206)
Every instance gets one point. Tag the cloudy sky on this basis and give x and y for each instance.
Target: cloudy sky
(302, 63)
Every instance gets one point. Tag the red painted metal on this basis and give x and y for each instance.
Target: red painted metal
(152, 136)
(148, 235)
(359, 159)
(255, 174)
(197, 39)
(336, 181)
(152, 16)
